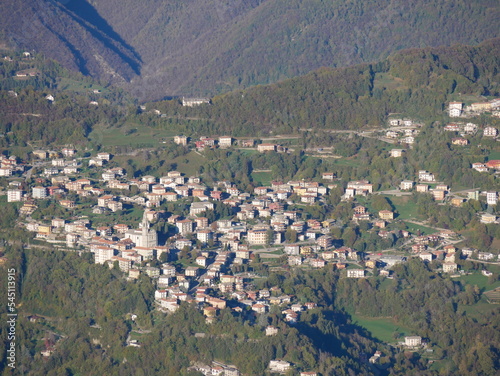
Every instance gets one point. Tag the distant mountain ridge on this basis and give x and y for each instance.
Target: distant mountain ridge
(50, 27)
(204, 47)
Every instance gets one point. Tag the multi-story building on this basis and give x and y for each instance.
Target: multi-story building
(491, 197)
(490, 132)
(103, 253)
(266, 147)
(257, 237)
(14, 195)
(406, 185)
(191, 102)
(39, 192)
(204, 236)
(396, 153)
(355, 273)
(225, 141)
(424, 175)
(413, 341)
(181, 140)
(185, 226)
(386, 214)
(455, 109)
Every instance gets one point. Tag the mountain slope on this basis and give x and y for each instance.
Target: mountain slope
(50, 27)
(414, 82)
(204, 47)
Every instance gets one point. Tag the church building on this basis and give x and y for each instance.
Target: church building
(144, 236)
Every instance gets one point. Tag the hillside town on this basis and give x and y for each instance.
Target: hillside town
(215, 235)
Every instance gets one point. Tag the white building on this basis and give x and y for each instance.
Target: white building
(413, 341)
(14, 195)
(355, 273)
(491, 198)
(225, 141)
(191, 102)
(455, 109)
(396, 153)
(449, 267)
(180, 140)
(185, 226)
(279, 366)
(424, 175)
(39, 192)
(490, 132)
(200, 207)
(406, 185)
(204, 236)
(144, 236)
(103, 254)
(5, 171)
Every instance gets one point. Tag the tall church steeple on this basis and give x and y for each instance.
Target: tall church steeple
(145, 223)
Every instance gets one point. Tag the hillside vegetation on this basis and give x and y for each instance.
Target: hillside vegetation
(415, 82)
(207, 47)
(49, 27)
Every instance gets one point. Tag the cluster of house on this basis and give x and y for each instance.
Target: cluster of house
(220, 369)
(404, 130)
(216, 369)
(9, 166)
(405, 136)
(439, 192)
(468, 129)
(464, 128)
(217, 291)
(458, 109)
(228, 141)
(493, 164)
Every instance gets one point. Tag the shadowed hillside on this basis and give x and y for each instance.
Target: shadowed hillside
(212, 46)
(417, 82)
(206, 47)
(48, 26)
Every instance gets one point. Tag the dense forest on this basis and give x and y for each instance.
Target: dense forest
(84, 310)
(160, 49)
(417, 83)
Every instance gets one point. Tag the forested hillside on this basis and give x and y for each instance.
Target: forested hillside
(207, 47)
(49, 27)
(415, 82)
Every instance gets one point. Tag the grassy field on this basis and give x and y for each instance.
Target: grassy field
(247, 152)
(381, 328)
(480, 281)
(130, 135)
(413, 228)
(405, 207)
(384, 80)
(480, 308)
(190, 163)
(131, 215)
(346, 162)
(78, 86)
(494, 155)
(263, 178)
